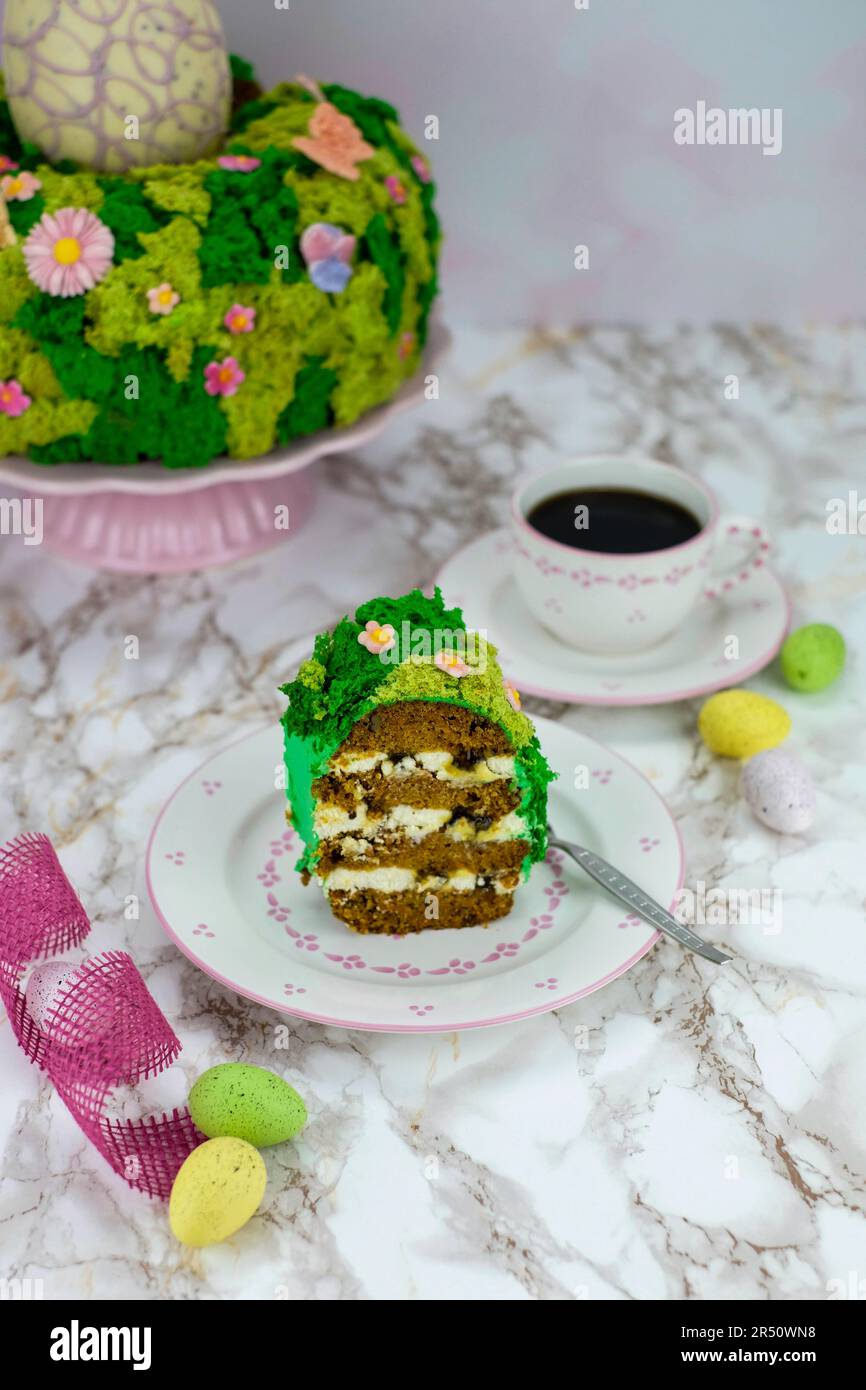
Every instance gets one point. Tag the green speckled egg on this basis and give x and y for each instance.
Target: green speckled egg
(248, 1103)
(813, 656)
(740, 723)
(216, 1191)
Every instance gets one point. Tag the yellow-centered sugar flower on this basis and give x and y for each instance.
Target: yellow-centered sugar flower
(451, 663)
(162, 299)
(512, 695)
(377, 637)
(20, 188)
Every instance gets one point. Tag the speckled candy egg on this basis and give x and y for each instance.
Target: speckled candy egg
(84, 75)
(247, 1102)
(216, 1191)
(813, 656)
(741, 723)
(779, 791)
(45, 987)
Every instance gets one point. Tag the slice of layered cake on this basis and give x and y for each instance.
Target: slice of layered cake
(414, 779)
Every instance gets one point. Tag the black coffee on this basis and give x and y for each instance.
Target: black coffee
(613, 519)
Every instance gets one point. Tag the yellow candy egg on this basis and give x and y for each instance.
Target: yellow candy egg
(741, 723)
(216, 1191)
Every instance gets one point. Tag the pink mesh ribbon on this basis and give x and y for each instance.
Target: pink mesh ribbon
(106, 1029)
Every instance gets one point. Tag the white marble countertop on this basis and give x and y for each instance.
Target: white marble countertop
(708, 1143)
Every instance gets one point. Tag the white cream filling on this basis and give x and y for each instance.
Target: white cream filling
(396, 880)
(331, 819)
(415, 821)
(358, 828)
(438, 761)
(509, 827)
(349, 765)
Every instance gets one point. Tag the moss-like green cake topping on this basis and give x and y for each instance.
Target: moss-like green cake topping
(114, 376)
(344, 679)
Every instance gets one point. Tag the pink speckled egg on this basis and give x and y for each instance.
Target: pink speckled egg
(44, 988)
(779, 791)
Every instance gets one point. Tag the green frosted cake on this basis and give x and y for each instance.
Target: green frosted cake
(415, 780)
(279, 286)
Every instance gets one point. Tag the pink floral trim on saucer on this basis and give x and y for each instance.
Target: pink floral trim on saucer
(555, 892)
(587, 578)
(682, 666)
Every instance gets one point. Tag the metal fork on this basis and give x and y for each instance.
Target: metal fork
(628, 892)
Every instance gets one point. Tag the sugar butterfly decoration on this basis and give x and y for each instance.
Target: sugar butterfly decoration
(333, 141)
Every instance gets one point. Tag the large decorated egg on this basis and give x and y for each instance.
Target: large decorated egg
(117, 83)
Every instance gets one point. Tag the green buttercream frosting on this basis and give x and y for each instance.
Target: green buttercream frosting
(342, 681)
(314, 360)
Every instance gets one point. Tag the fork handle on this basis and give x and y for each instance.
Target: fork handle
(628, 892)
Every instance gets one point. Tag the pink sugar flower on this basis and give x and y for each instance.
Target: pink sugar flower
(396, 189)
(20, 187)
(239, 319)
(162, 299)
(13, 401)
(421, 167)
(377, 638)
(6, 164)
(451, 663)
(327, 251)
(239, 163)
(223, 378)
(512, 695)
(406, 346)
(68, 252)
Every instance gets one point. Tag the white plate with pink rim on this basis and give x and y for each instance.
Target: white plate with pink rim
(734, 631)
(220, 871)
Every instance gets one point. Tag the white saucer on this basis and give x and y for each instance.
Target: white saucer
(691, 662)
(221, 879)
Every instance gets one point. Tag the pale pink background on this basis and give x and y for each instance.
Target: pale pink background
(556, 128)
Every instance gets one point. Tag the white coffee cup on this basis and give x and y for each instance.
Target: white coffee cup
(615, 604)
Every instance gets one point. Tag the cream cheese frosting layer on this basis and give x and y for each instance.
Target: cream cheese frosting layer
(414, 821)
(358, 828)
(439, 762)
(465, 831)
(396, 880)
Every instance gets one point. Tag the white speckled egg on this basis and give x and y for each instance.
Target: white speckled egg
(44, 988)
(779, 791)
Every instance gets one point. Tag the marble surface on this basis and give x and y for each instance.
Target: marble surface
(707, 1142)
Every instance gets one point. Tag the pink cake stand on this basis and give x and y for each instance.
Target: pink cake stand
(146, 519)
